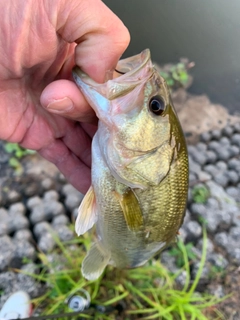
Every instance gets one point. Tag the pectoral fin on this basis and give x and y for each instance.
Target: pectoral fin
(87, 215)
(95, 262)
(131, 209)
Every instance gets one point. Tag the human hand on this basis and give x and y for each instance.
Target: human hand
(40, 107)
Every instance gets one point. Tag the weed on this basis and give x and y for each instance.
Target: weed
(176, 76)
(149, 292)
(177, 252)
(200, 194)
(17, 153)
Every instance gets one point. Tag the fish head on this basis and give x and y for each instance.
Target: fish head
(137, 120)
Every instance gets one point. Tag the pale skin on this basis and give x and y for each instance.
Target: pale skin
(40, 106)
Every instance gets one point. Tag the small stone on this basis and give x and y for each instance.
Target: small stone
(236, 127)
(234, 254)
(19, 222)
(224, 219)
(61, 178)
(74, 214)
(236, 139)
(198, 210)
(217, 291)
(33, 202)
(51, 195)
(27, 283)
(211, 156)
(221, 239)
(7, 279)
(234, 235)
(221, 179)
(201, 146)
(69, 189)
(7, 251)
(193, 166)
(217, 260)
(212, 203)
(205, 271)
(210, 246)
(216, 134)
(224, 141)
(233, 151)
(211, 222)
(182, 234)
(169, 261)
(23, 249)
(46, 242)
(205, 136)
(221, 165)
(214, 145)
(23, 234)
(32, 189)
(4, 229)
(47, 184)
(187, 216)
(191, 149)
(64, 233)
(193, 230)
(211, 169)
(233, 192)
(227, 131)
(73, 201)
(219, 193)
(192, 177)
(37, 214)
(199, 157)
(53, 208)
(41, 228)
(13, 196)
(234, 164)
(17, 208)
(181, 278)
(204, 176)
(62, 219)
(223, 154)
(233, 177)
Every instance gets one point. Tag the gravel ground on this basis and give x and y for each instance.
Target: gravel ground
(33, 205)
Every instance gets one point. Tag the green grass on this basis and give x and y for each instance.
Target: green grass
(200, 194)
(17, 153)
(149, 292)
(177, 76)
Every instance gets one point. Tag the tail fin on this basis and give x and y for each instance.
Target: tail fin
(95, 262)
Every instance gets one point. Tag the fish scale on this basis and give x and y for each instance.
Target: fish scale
(139, 168)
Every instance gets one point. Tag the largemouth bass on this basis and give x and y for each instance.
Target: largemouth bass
(139, 167)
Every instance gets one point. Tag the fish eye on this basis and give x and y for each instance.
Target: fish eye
(157, 105)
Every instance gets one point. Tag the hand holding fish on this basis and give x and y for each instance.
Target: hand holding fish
(40, 107)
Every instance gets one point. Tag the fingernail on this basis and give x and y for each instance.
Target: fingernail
(60, 106)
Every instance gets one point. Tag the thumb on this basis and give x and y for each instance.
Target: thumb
(101, 39)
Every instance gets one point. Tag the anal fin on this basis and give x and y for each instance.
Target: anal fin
(95, 262)
(87, 214)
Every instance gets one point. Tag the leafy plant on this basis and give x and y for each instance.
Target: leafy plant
(176, 75)
(149, 292)
(177, 252)
(17, 153)
(200, 194)
(16, 150)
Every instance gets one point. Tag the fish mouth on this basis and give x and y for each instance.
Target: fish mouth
(133, 71)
